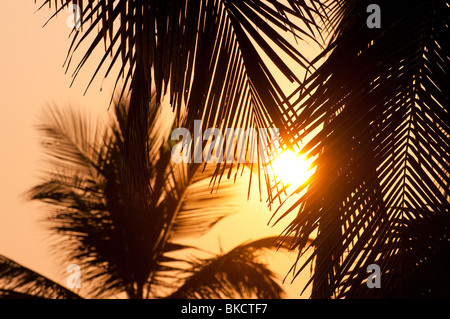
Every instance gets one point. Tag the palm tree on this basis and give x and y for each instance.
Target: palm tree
(381, 191)
(125, 243)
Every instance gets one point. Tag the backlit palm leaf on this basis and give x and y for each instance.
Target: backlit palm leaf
(214, 58)
(17, 281)
(236, 273)
(381, 191)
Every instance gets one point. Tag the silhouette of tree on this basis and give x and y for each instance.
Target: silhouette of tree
(125, 242)
(380, 194)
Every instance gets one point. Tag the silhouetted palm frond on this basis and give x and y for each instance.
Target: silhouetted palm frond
(17, 281)
(380, 193)
(215, 44)
(220, 60)
(235, 273)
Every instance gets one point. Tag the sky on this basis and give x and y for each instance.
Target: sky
(32, 76)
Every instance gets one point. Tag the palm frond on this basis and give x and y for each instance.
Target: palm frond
(214, 58)
(70, 139)
(200, 206)
(235, 274)
(17, 281)
(382, 182)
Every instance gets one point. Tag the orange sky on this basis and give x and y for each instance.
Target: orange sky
(31, 60)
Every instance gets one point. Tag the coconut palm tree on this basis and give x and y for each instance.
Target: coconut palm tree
(381, 190)
(125, 243)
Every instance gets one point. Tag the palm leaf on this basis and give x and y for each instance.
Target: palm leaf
(212, 57)
(17, 281)
(237, 273)
(381, 188)
(200, 206)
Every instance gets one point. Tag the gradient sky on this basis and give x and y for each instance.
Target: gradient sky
(31, 59)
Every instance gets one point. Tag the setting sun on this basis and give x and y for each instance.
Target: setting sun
(292, 169)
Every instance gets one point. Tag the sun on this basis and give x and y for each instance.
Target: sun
(292, 169)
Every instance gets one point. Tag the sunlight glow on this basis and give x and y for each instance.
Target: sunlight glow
(292, 169)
